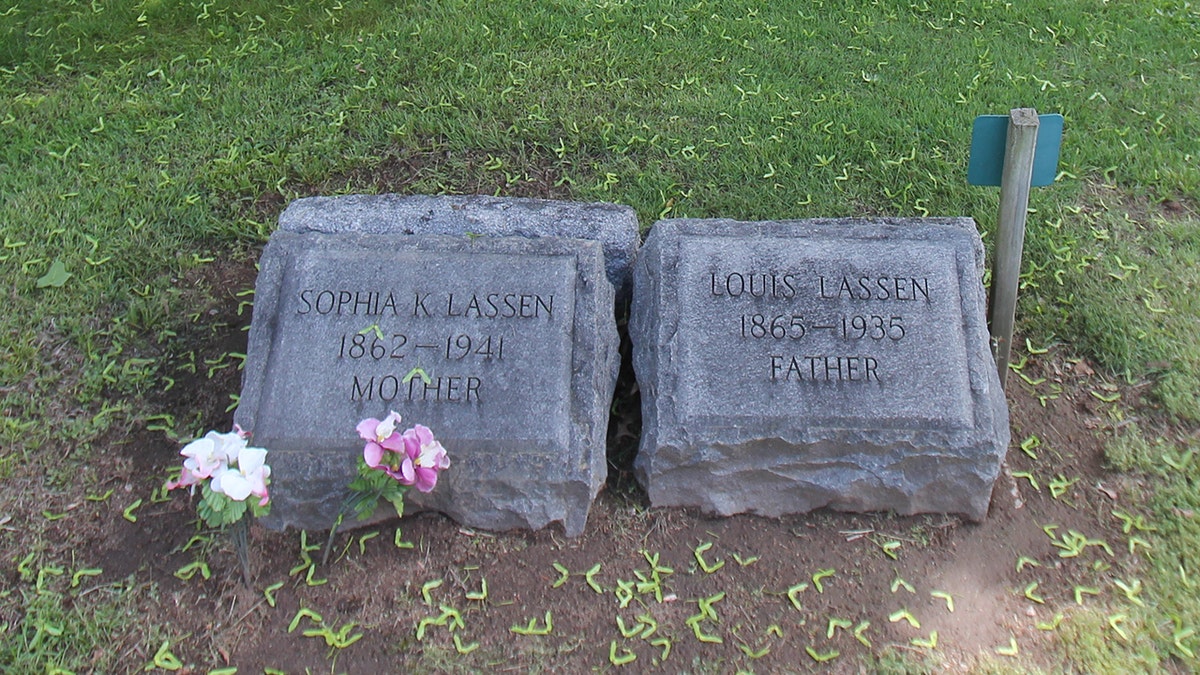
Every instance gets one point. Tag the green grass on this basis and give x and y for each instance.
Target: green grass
(1123, 289)
(70, 625)
(1171, 471)
(141, 135)
(144, 139)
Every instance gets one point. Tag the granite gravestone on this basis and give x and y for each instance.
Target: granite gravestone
(613, 225)
(788, 366)
(516, 336)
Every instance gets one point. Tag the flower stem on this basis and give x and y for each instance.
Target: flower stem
(240, 532)
(332, 533)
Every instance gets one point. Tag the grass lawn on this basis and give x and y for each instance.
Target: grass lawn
(146, 143)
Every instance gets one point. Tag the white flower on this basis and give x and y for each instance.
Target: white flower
(210, 455)
(248, 477)
(387, 427)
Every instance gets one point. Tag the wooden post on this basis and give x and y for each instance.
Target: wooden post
(1010, 232)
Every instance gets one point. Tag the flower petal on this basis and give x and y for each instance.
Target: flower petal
(251, 460)
(186, 478)
(366, 428)
(387, 426)
(412, 444)
(233, 484)
(258, 483)
(204, 457)
(423, 434)
(227, 446)
(433, 456)
(373, 454)
(426, 479)
(395, 442)
(200, 446)
(215, 483)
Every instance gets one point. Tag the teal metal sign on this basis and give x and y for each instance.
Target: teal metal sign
(988, 139)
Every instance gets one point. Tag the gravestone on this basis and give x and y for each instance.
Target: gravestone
(613, 225)
(516, 336)
(789, 366)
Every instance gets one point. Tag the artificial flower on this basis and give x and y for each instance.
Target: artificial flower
(425, 457)
(234, 472)
(248, 477)
(209, 456)
(380, 435)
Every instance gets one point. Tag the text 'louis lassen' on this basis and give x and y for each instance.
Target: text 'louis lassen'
(776, 285)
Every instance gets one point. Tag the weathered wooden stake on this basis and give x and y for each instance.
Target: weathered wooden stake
(1010, 233)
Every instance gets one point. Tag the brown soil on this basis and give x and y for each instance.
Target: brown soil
(376, 588)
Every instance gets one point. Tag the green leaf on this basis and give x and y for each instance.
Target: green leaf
(217, 510)
(464, 649)
(625, 658)
(822, 658)
(415, 372)
(563, 571)
(369, 488)
(397, 502)
(259, 511)
(165, 660)
(56, 276)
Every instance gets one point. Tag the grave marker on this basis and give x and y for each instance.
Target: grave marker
(613, 225)
(517, 340)
(788, 366)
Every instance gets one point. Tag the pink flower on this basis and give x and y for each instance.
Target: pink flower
(412, 458)
(381, 436)
(425, 457)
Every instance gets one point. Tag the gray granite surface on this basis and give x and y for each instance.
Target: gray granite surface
(789, 366)
(516, 334)
(613, 225)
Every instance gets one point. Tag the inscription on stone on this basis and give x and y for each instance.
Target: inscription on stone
(816, 363)
(503, 346)
(814, 333)
(473, 341)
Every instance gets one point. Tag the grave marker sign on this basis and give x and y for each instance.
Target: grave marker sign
(504, 346)
(787, 366)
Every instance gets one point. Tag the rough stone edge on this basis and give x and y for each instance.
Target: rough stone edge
(593, 293)
(262, 331)
(990, 404)
(645, 321)
(869, 463)
(614, 225)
